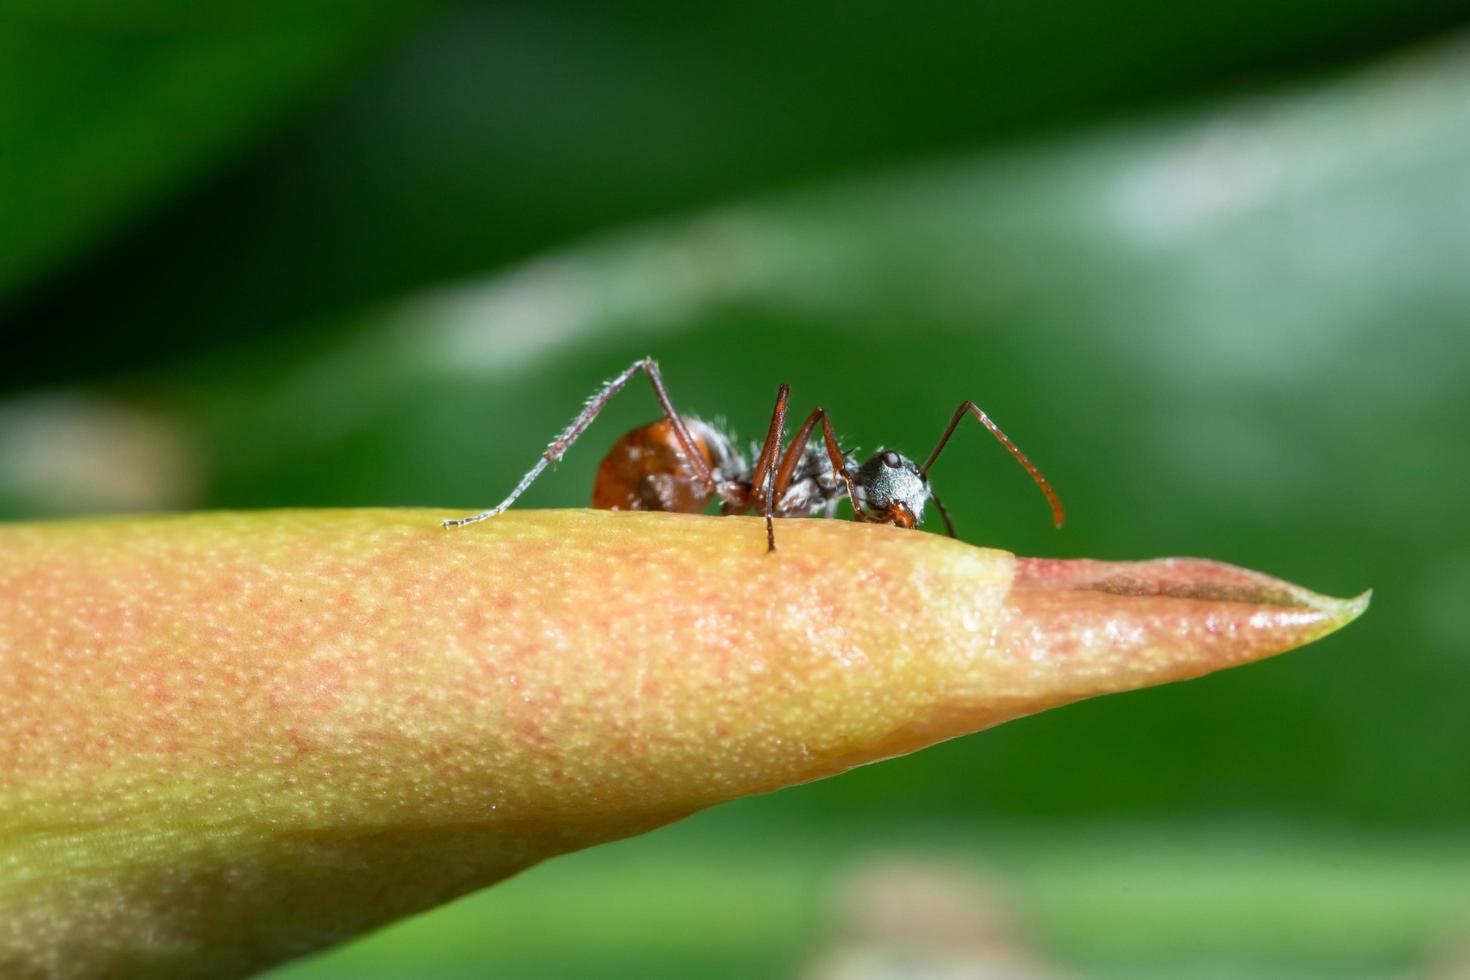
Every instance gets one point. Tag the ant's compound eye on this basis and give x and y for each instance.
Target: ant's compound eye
(890, 459)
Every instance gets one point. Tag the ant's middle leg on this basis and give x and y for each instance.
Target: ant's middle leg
(762, 478)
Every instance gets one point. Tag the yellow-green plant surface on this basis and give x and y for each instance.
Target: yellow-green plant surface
(231, 739)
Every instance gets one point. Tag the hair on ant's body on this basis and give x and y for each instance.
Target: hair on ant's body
(681, 464)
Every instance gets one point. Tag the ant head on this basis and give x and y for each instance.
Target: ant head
(891, 488)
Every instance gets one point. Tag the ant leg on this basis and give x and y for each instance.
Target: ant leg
(595, 404)
(764, 473)
(839, 463)
(834, 453)
(944, 513)
(1058, 515)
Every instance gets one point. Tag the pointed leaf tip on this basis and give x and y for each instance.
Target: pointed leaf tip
(1155, 621)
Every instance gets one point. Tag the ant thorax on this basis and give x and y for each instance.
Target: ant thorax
(815, 486)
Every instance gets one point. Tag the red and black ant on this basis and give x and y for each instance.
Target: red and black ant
(680, 465)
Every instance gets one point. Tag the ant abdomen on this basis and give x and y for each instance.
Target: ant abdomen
(646, 469)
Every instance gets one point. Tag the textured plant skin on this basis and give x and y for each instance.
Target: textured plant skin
(227, 740)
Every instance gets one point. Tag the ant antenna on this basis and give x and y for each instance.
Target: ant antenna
(1057, 513)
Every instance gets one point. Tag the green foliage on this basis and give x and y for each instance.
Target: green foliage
(709, 898)
(111, 108)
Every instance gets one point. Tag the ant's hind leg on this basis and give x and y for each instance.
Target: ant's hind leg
(594, 406)
(501, 507)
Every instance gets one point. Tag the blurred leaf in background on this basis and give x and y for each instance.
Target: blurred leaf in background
(110, 108)
(499, 129)
(1208, 270)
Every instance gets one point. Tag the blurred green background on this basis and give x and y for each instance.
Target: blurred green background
(1209, 266)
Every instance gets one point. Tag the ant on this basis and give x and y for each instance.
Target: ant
(679, 465)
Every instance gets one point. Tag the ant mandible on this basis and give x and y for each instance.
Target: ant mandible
(679, 465)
